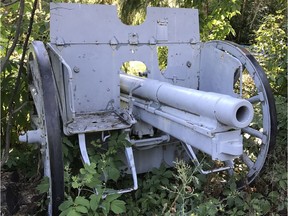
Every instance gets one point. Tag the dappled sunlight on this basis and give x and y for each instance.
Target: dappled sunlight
(135, 68)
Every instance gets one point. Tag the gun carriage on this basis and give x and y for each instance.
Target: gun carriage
(201, 100)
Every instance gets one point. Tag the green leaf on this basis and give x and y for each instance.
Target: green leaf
(118, 206)
(64, 213)
(282, 184)
(240, 213)
(81, 209)
(112, 197)
(90, 168)
(113, 173)
(44, 186)
(233, 186)
(67, 142)
(112, 143)
(73, 213)
(273, 195)
(75, 185)
(82, 171)
(65, 150)
(82, 201)
(94, 201)
(94, 182)
(265, 206)
(65, 205)
(164, 181)
(122, 136)
(168, 174)
(105, 207)
(114, 135)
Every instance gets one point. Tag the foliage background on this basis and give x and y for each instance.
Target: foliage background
(261, 24)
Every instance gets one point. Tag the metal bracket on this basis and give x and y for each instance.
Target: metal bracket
(195, 160)
(150, 142)
(127, 115)
(129, 157)
(131, 99)
(162, 29)
(133, 38)
(83, 149)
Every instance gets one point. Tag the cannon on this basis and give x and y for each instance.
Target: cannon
(212, 98)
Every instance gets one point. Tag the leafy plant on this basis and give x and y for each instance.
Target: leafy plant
(183, 189)
(270, 44)
(44, 185)
(87, 190)
(216, 20)
(151, 196)
(81, 205)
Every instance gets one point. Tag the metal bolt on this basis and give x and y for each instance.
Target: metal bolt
(192, 40)
(76, 69)
(188, 64)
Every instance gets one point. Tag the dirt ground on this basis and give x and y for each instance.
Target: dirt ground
(19, 196)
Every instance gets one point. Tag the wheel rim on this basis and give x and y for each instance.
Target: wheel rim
(260, 136)
(46, 118)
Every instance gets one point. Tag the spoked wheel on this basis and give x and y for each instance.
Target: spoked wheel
(260, 136)
(46, 120)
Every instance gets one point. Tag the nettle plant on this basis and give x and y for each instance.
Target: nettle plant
(88, 192)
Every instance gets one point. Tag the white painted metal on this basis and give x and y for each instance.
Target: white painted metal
(195, 160)
(217, 70)
(131, 163)
(83, 149)
(221, 145)
(32, 136)
(90, 60)
(166, 25)
(261, 83)
(226, 109)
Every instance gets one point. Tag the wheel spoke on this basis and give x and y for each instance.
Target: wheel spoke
(247, 161)
(255, 99)
(231, 164)
(254, 132)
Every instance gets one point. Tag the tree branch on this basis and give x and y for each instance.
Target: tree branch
(4, 4)
(5, 155)
(17, 109)
(258, 4)
(17, 34)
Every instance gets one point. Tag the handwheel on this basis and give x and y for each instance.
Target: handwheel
(260, 136)
(46, 118)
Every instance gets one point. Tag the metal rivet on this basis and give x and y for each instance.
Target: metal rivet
(76, 69)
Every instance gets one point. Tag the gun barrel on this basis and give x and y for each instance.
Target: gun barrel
(228, 110)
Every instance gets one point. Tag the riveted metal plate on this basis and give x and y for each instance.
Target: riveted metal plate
(95, 122)
(83, 23)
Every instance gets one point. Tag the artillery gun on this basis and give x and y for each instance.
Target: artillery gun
(201, 99)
